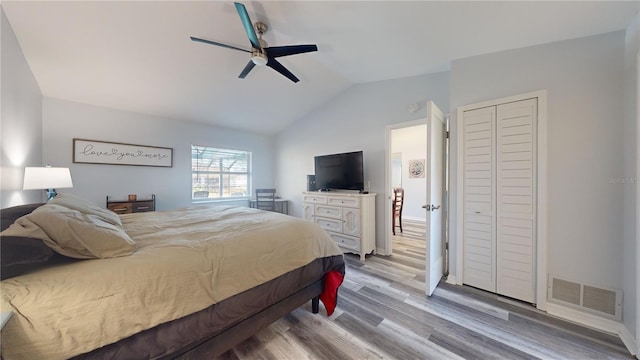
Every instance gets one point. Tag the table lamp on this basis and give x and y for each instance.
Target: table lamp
(47, 178)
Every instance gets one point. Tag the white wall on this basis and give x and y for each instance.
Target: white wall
(65, 120)
(21, 121)
(632, 40)
(411, 143)
(584, 79)
(637, 202)
(354, 120)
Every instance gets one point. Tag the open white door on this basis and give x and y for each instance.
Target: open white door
(435, 198)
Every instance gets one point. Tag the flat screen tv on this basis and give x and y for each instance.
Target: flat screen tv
(340, 171)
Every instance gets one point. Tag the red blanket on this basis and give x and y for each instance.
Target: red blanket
(329, 297)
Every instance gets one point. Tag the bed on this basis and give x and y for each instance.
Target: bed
(188, 283)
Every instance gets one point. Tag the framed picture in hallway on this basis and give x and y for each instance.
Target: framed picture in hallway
(416, 168)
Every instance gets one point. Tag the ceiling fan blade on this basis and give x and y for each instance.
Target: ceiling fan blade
(217, 44)
(248, 25)
(246, 70)
(277, 51)
(275, 65)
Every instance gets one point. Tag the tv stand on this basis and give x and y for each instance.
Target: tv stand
(348, 217)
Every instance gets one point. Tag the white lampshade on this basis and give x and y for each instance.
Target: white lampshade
(46, 178)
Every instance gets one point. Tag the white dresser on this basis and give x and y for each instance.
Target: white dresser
(349, 218)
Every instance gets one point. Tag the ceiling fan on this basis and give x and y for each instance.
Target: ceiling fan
(262, 55)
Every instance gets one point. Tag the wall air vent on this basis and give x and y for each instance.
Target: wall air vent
(566, 291)
(600, 301)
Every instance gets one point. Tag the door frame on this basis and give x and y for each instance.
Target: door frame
(388, 248)
(541, 189)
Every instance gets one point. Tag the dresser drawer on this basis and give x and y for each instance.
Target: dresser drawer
(329, 224)
(346, 242)
(328, 211)
(349, 219)
(347, 201)
(314, 199)
(121, 208)
(142, 206)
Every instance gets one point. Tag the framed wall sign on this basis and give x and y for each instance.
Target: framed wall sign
(102, 152)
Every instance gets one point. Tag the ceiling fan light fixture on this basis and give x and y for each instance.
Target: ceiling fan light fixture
(259, 59)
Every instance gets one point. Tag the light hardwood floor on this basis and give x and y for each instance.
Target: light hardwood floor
(383, 313)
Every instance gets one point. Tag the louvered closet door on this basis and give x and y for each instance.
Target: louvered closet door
(516, 199)
(479, 199)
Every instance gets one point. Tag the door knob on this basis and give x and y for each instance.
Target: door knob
(431, 207)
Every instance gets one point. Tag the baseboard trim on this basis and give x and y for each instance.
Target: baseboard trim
(629, 341)
(451, 279)
(594, 321)
(414, 219)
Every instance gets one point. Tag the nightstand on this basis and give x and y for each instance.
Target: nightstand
(135, 206)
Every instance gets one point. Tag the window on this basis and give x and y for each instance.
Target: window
(219, 173)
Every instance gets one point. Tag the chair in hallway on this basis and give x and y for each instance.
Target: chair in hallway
(266, 199)
(398, 199)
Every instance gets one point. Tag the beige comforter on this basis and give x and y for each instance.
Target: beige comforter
(186, 260)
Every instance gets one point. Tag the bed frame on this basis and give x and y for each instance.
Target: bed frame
(221, 340)
(243, 330)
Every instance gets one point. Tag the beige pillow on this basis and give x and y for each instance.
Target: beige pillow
(84, 206)
(71, 233)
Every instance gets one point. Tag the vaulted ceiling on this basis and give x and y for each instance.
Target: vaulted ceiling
(137, 55)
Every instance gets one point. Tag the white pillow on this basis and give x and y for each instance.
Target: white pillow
(72, 233)
(86, 207)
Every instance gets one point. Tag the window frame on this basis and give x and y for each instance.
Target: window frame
(221, 173)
